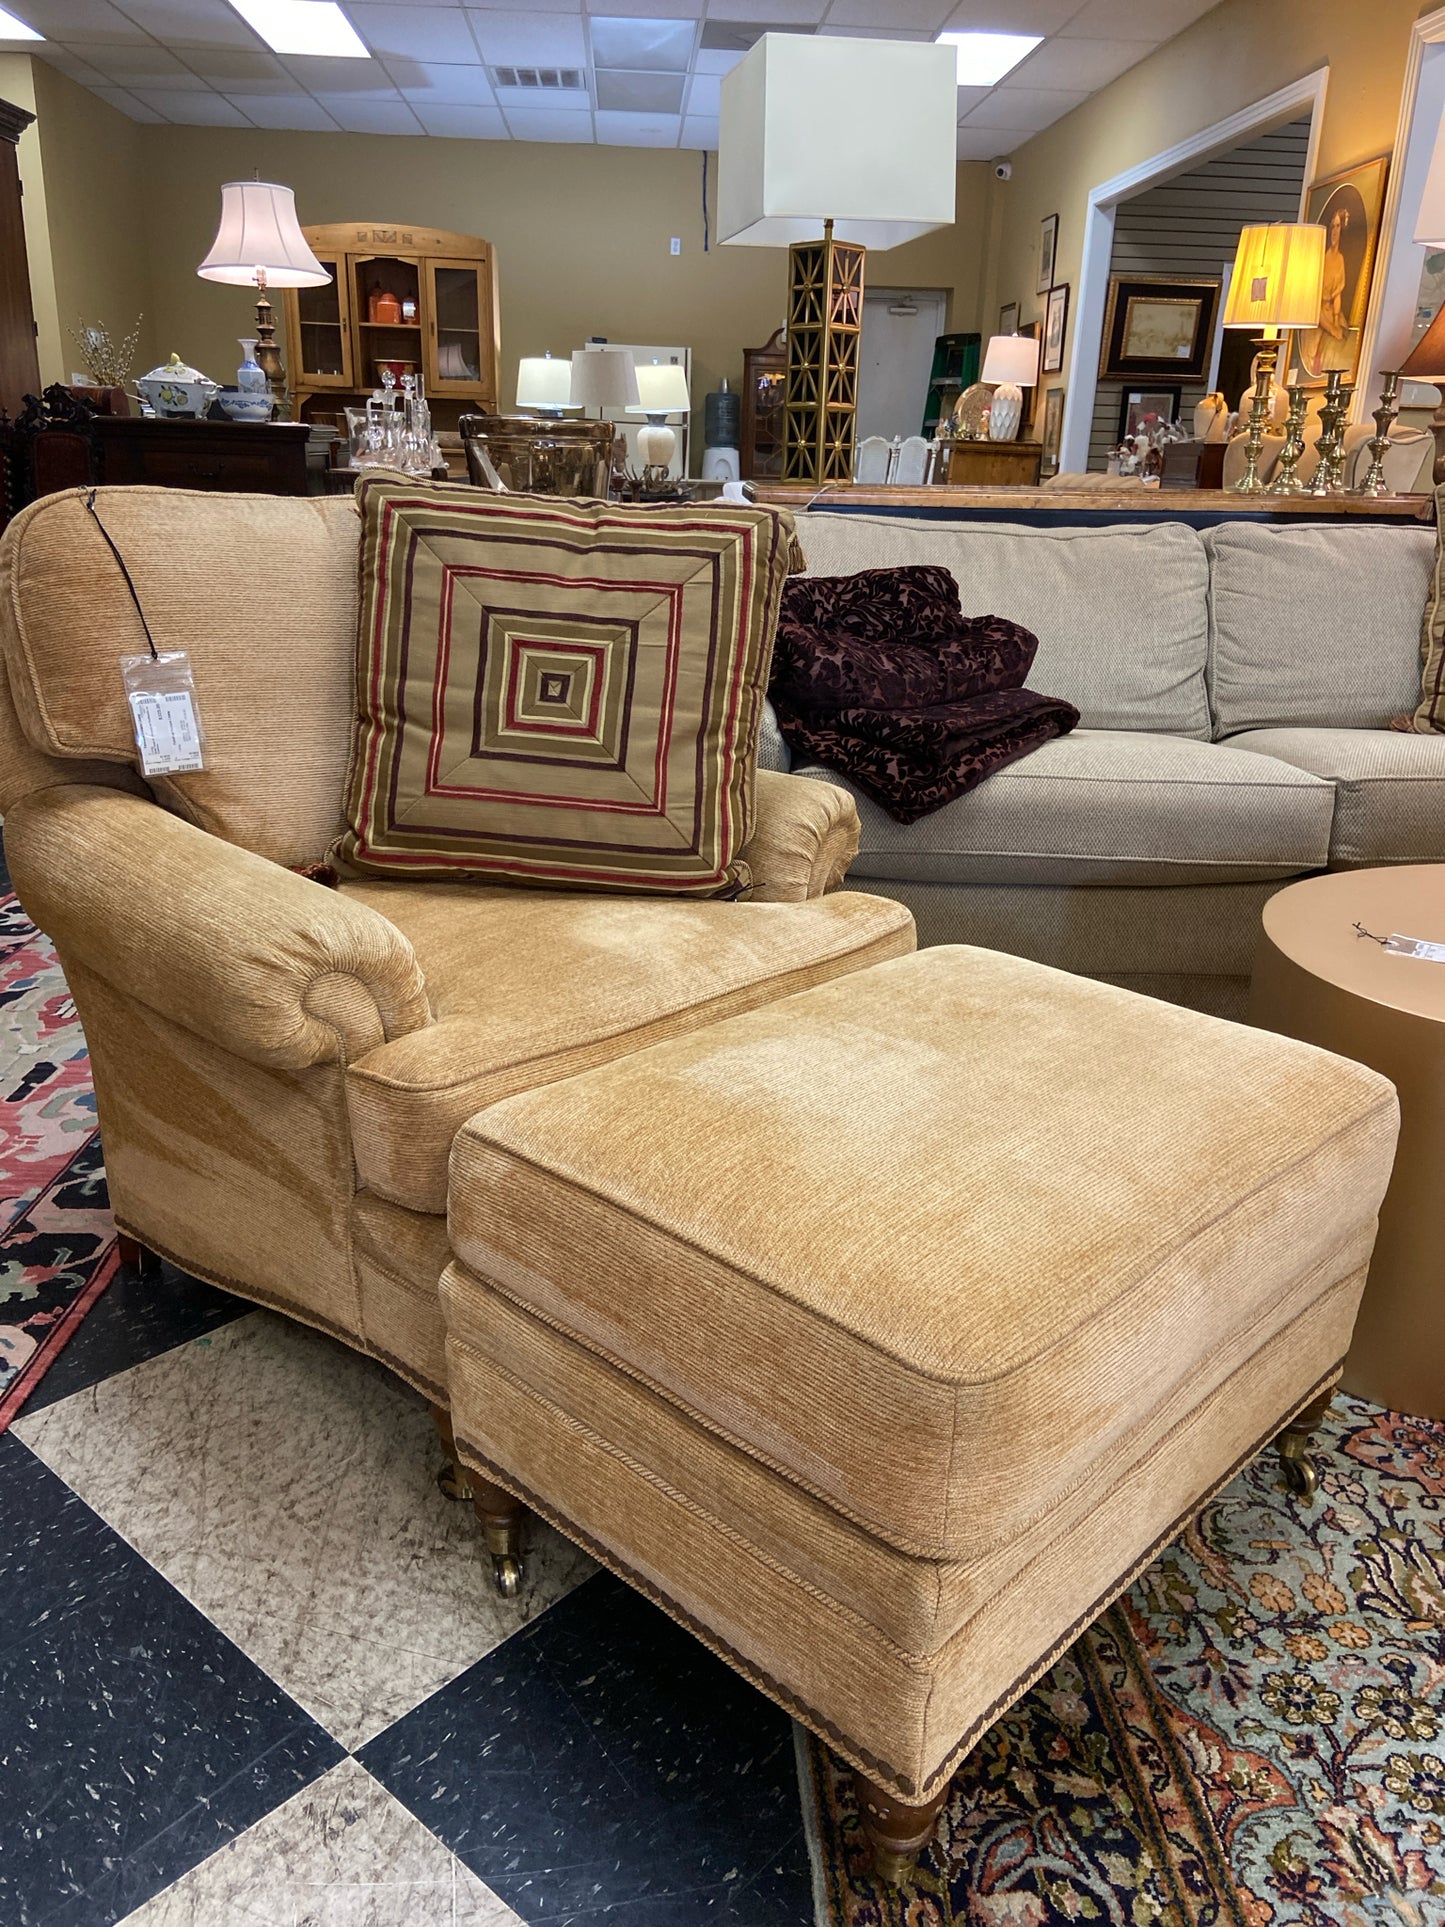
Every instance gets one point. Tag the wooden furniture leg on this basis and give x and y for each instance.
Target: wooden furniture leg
(135, 1256)
(897, 1833)
(501, 1517)
(453, 1480)
(1293, 1446)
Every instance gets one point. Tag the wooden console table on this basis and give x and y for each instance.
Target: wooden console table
(981, 464)
(1096, 507)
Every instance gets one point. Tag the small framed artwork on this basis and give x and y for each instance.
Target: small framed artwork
(1146, 408)
(1156, 327)
(1030, 332)
(1053, 432)
(1048, 252)
(1056, 325)
(1008, 318)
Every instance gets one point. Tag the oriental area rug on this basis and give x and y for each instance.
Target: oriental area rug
(1253, 1736)
(57, 1241)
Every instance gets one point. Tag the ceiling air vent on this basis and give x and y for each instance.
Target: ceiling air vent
(546, 80)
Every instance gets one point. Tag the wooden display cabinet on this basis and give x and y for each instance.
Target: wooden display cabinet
(445, 320)
(765, 381)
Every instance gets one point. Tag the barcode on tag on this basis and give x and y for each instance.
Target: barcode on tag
(1415, 947)
(165, 732)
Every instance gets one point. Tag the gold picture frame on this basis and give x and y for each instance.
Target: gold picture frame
(1349, 206)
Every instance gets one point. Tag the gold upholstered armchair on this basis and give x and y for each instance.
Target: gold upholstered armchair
(281, 1067)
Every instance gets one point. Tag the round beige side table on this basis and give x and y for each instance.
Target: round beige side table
(1317, 979)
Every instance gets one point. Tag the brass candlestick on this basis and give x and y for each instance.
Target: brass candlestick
(1249, 483)
(1287, 480)
(1374, 482)
(1331, 442)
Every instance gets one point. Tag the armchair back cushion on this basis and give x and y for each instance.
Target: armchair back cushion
(260, 589)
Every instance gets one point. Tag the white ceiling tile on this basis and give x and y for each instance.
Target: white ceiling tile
(549, 100)
(358, 115)
(548, 124)
(1011, 16)
(78, 22)
(644, 9)
(638, 130)
(127, 103)
(929, 15)
(1089, 64)
(639, 93)
(700, 130)
(192, 109)
(331, 74)
(459, 122)
(643, 46)
(423, 33)
(229, 68)
(1136, 19)
(537, 6)
(145, 65)
(987, 143)
(193, 23)
(969, 98)
(75, 66)
(440, 83)
(704, 95)
(529, 39)
(714, 60)
(1031, 107)
(828, 30)
(296, 112)
(791, 13)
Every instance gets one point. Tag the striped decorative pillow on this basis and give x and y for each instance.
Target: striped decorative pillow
(560, 692)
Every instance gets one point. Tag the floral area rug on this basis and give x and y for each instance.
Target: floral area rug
(1253, 1736)
(57, 1240)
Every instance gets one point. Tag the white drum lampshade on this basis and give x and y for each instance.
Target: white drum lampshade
(544, 383)
(259, 242)
(661, 391)
(603, 378)
(1011, 363)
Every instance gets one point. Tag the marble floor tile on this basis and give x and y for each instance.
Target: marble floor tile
(287, 1486)
(342, 1853)
(135, 1739)
(604, 1765)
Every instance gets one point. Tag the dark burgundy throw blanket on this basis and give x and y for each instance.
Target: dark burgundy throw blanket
(881, 676)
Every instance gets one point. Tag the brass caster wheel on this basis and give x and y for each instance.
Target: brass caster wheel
(507, 1572)
(453, 1483)
(1300, 1477)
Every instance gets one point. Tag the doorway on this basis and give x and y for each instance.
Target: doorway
(895, 358)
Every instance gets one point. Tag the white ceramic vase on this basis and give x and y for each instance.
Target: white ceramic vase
(1005, 412)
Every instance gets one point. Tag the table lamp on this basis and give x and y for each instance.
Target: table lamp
(1012, 364)
(1277, 284)
(661, 391)
(1426, 360)
(259, 244)
(544, 384)
(828, 147)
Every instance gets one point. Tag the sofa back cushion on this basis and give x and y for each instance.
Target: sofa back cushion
(259, 589)
(1316, 626)
(1121, 614)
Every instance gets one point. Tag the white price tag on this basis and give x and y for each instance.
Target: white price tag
(1415, 947)
(166, 733)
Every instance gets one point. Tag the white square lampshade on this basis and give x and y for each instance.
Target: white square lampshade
(259, 233)
(1430, 221)
(1278, 276)
(661, 389)
(1012, 358)
(859, 132)
(543, 382)
(603, 378)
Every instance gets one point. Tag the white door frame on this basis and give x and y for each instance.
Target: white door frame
(1273, 111)
(1386, 333)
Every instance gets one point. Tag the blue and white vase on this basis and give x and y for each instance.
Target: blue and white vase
(250, 376)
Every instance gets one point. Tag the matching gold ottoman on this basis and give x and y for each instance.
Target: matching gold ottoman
(882, 1335)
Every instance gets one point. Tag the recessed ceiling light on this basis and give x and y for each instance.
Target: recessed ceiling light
(303, 27)
(984, 58)
(13, 29)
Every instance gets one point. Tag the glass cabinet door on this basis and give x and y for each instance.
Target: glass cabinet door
(387, 304)
(458, 345)
(321, 354)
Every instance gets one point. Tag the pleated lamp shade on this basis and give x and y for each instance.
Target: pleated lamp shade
(260, 235)
(1278, 277)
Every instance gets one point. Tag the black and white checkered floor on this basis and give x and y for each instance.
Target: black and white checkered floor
(252, 1669)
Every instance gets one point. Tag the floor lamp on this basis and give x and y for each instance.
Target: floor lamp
(828, 147)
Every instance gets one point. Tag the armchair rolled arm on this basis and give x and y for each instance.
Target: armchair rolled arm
(805, 836)
(261, 962)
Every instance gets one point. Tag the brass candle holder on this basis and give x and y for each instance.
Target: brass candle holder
(1379, 443)
(1287, 478)
(1331, 445)
(1249, 483)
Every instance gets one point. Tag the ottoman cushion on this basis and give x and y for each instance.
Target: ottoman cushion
(931, 1240)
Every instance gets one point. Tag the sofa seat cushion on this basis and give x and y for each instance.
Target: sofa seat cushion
(1389, 788)
(527, 987)
(1110, 807)
(930, 1240)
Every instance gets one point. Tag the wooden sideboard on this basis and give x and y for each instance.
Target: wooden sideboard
(254, 458)
(980, 464)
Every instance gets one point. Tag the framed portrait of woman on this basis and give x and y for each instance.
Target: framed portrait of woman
(1348, 207)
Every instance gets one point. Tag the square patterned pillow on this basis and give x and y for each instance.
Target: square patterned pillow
(560, 692)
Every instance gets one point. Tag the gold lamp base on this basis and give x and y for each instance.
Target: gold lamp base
(825, 321)
(268, 355)
(1249, 483)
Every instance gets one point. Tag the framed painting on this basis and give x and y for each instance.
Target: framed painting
(1147, 408)
(1048, 253)
(1056, 324)
(1053, 432)
(1348, 207)
(1008, 318)
(1155, 327)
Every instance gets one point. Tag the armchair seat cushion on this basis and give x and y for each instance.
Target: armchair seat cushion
(529, 986)
(1389, 788)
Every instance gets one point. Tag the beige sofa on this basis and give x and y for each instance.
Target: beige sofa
(1236, 688)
